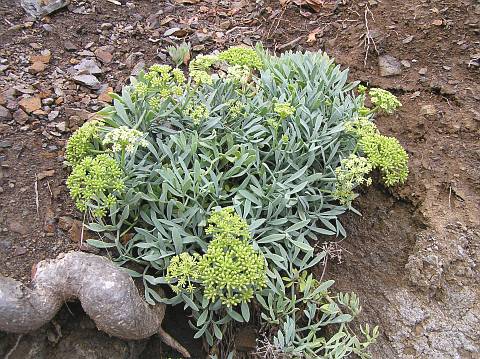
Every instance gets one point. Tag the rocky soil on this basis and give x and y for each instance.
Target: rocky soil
(412, 257)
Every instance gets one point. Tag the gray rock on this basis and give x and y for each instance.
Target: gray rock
(389, 66)
(88, 67)
(20, 116)
(53, 115)
(138, 67)
(89, 81)
(39, 8)
(69, 46)
(5, 115)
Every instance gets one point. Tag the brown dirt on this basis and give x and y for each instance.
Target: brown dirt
(412, 257)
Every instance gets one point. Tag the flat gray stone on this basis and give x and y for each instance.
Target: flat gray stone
(5, 115)
(39, 8)
(389, 66)
(89, 81)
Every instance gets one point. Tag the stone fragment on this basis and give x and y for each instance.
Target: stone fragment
(104, 97)
(61, 126)
(89, 81)
(428, 110)
(103, 55)
(18, 227)
(30, 104)
(45, 174)
(39, 8)
(53, 115)
(5, 115)
(20, 117)
(44, 57)
(138, 67)
(69, 46)
(389, 66)
(87, 66)
(37, 67)
(19, 251)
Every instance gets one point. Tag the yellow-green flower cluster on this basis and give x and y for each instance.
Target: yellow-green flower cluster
(178, 76)
(198, 113)
(94, 179)
(238, 73)
(124, 139)
(199, 67)
(384, 100)
(351, 173)
(388, 155)
(235, 108)
(80, 144)
(227, 223)
(231, 269)
(283, 109)
(361, 127)
(183, 270)
(383, 153)
(243, 56)
(161, 81)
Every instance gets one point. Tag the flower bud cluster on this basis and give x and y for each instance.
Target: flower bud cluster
(231, 269)
(361, 127)
(161, 81)
(243, 56)
(382, 152)
(235, 108)
(80, 144)
(197, 113)
(95, 179)
(239, 73)
(283, 109)
(183, 272)
(351, 173)
(198, 68)
(388, 155)
(124, 139)
(384, 100)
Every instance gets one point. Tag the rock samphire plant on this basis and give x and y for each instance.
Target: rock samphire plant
(222, 181)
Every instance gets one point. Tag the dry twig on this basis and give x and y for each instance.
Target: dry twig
(37, 203)
(368, 39)
(10, 352)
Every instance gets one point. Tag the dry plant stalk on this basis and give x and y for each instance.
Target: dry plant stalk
(107, 293)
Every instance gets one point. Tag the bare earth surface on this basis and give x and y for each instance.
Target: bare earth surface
(412, 257)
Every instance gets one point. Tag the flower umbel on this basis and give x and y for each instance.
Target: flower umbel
(238, 73)
(95, 179)
(197, 113)
(384, 100)
(361, 127)
(388, 155)
(283, 109)
(351, 173)
(80, 143)
(243, 56)
(231, 269)
(124, 138)
(183, 269)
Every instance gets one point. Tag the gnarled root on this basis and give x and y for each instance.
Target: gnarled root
(106, 292)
